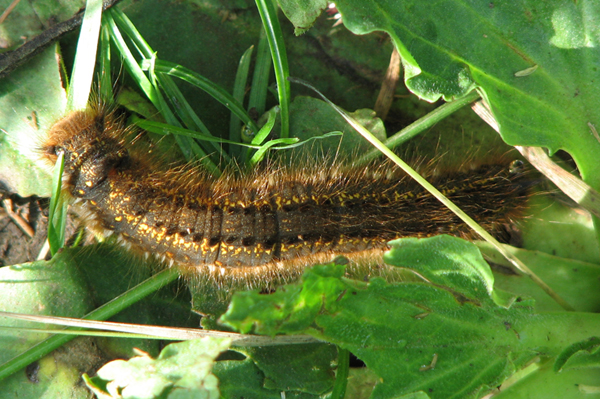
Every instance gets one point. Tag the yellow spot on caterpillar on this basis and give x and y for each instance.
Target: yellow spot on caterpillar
(118, 218)
(89, 183)
(81, 192)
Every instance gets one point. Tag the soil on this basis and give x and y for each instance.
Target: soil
(16, 246)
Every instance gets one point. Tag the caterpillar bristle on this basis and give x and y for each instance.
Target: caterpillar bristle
(265, 227)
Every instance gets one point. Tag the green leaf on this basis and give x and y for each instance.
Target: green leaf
(579, 355)
(182, 370)
(573, 280)
(239, 93)
(447, 261)
(303, 368)
(492, 45)
(242, 379)
(302, 14)
(413, 335)
(291, 309)
(85, 58)
(195, 79)
(57, 212)
(56, 287)
(268, 15)
(545, 383)
(31, 99)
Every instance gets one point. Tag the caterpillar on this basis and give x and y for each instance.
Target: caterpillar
(270, 224)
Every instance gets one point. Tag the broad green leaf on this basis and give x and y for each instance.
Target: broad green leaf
(414, 336)
(181, 370)
(31, 100)
(30, 19)
(579, 355)
(302, 14)
(545, 383)
(447, 261)
(451, 47)
(55, 288)
(573, 280)
(303, 368)
(550, 221)
(243, 379)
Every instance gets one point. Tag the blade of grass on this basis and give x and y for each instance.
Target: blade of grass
(341, 375)
(163, 128)
(515, 262)
(188, 147)
(291, 142)
(130, 62)
(85, 56)
(261, 152)
(129, 29)
(189, 118)
(420, 125)
(153, 332)
(260, 137)
(174, 96)
(149, 87)
(106, 86)
(239, 92)
(268, 15)
(260, 78)
(58, 209)
(214, 90)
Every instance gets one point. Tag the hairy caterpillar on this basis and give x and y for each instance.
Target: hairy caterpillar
(269, 225)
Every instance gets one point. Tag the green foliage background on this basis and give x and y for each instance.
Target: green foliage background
(482, 328)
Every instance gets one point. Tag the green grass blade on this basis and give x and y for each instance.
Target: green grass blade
(341, 375)
(129, 29)
(288, 144)
(216, 91)
(268, 14)
(58, 209)
(420, 125)
(130, 62)
(106, 85)
(163, 128)
(264, 131)
(262, 151)
(85, 57)
(188, 116)
(239, 92)
(189, 148)
(260, 78)
(260, 137)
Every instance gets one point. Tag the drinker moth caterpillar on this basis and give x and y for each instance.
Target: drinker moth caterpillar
(269, 225)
